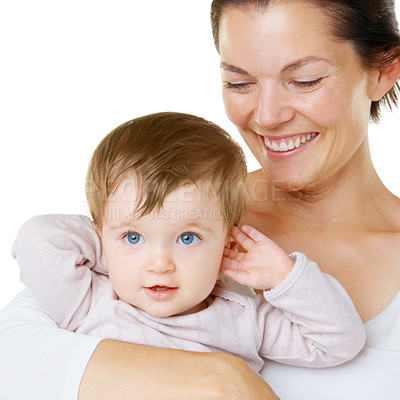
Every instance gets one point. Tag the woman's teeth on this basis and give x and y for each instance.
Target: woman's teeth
(289, 144)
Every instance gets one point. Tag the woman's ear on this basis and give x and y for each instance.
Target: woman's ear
(384, 79)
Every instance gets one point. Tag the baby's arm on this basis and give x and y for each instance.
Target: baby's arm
(308, 319)
(49, 249)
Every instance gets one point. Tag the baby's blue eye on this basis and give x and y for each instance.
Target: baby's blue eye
(188, 239)
(133, 238)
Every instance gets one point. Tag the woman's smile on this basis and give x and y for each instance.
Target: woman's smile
(288, 143)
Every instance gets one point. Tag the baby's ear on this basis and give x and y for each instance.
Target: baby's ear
(220, 273)
(230, 243)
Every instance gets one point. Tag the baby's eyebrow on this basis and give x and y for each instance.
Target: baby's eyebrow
(122, 224)
(198, 225)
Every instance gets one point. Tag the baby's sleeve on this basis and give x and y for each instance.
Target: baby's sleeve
(309, 320)
(38, 360)
(55, 254)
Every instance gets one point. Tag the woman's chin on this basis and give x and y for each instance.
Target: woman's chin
(301, 188)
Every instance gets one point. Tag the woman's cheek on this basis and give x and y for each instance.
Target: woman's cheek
(236, 109)
(323, 110)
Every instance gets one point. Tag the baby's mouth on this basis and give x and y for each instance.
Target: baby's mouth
(289, 143)
(158, 288)
(160, 292)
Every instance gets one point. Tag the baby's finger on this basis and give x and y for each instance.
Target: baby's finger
(242, 238)
(230, 253)
(234, 255)
(236, 264)
(253, 233)
(241, 277)
(229, 263)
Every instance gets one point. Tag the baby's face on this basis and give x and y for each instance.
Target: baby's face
(165, 263)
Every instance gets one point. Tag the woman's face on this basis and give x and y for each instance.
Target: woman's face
(299, 98)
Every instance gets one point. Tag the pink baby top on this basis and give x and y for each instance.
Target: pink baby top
(307, 320)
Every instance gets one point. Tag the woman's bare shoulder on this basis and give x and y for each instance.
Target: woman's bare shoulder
(388, 213)
(258, 189)
(257, 210)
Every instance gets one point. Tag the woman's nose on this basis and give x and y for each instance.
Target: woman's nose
(272, 108)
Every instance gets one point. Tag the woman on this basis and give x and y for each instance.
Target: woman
(300, 87)
(301, 96)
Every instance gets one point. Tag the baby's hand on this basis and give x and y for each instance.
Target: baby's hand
(264, 264)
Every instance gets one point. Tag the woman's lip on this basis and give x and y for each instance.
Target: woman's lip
(160, 292)
(287, 146)
(287, 143)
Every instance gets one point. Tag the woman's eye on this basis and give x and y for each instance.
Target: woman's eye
(188, 239)
(134, 238)
(236, 86)
(307, 84)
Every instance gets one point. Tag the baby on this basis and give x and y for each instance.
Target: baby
(165, 192)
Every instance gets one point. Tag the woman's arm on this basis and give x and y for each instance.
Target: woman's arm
(38, 360)
(121, 370)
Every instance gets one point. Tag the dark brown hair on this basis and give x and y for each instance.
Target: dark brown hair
(370, 25)
(163, 152)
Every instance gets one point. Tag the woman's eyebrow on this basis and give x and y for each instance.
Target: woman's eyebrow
(301, 62)
(232, 68)
(289, 67)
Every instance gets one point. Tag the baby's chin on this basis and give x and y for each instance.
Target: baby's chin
(165, 312)
(193, 310)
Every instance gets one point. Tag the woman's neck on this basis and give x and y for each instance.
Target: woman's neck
(352, 197)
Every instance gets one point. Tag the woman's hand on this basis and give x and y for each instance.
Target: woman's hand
(125, 371)
(263, 265)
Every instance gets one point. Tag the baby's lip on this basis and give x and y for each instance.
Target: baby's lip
(160, 287)
(160, 292)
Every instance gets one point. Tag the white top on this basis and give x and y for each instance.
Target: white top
(33, 351)
(38, 360)
(373, 374)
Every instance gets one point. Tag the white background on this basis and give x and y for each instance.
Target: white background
(71, 71)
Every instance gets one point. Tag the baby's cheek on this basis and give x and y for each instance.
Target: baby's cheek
(119, 273)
